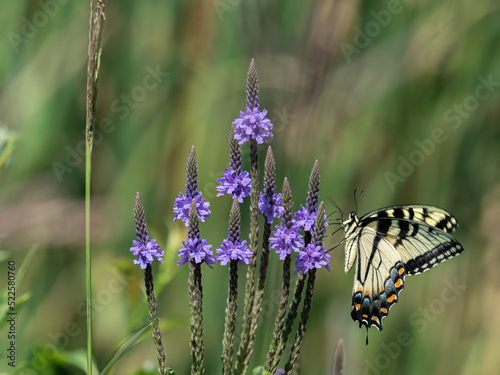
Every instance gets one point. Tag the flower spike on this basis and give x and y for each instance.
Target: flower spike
(144, 248)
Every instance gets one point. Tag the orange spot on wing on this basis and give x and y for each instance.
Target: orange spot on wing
(365, 316)
(358, 306)
(375, 319)
(398, 283)
(384, 310)
(401, 271)
(391, 298)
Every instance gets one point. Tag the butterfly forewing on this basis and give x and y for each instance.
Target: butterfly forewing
(390, 243)
(430, 215)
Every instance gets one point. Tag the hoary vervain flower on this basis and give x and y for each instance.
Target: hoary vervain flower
(284, 240)
(253, 124)
(234, 181)
(270, 206)
(144, 248)
(182, 204)
(305, 219)
(312, 257)
(196, 250)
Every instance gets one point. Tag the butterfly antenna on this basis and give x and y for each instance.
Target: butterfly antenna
(334, 212)
(338, 208)
(337, 245)
(355, 200)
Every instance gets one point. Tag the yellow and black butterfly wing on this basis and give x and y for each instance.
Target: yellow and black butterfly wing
(380, 276)
(420, 234)
(390, 243)
(430, 215)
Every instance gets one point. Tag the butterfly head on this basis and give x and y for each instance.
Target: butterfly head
(352, 219)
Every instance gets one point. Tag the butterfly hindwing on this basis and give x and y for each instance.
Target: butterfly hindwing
(380, 276)
(388, 244)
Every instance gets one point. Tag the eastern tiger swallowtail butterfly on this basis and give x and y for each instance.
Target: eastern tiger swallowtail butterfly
(389, 244)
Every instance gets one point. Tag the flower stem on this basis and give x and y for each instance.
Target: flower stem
(290, 318)
(195, 299)
(196, 302)
(230, 320)
(269, 186)
(96, 23)
(153, 316)
(285, 283)
(304, 317)
(244, 350)
(317, 237)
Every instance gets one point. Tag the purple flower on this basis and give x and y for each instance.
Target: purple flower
(271, 207)
(230, 250)
(147, 252)
(305, 220)
(312, 257)
(196, 250)
(235, 183)
(253, 124)
(182, 204)
(284, 240)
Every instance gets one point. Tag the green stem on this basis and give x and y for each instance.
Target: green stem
(88, 167)
(245, 348)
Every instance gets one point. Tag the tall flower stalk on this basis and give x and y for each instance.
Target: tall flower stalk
(308, 261)
(285, 240)
(252, 126)
(147, 250)
(96, 24)
(195, 252)
(304, 219)
(234, 251)
(270, 207)
(196, 298)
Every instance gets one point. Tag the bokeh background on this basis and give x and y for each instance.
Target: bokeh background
(399, 99)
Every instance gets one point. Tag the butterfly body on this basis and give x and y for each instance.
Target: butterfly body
(388, 244)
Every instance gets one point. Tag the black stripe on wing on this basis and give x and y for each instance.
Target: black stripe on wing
(420, 245)
(439, 253)
(430, 215)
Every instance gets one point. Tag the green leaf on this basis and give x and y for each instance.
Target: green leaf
(123, 348)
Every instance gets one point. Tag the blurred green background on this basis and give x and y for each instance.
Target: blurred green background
(399, 99)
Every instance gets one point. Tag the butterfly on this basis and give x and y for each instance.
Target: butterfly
(390, 243)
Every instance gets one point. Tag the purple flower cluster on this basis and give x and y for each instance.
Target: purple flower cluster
(234, 182)
(230, 250)
(197, 250)
(146, 251)
(305, 220)
(253, 124)
(284, 240)
(183, 203)
(312, 257)
(271, 207)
